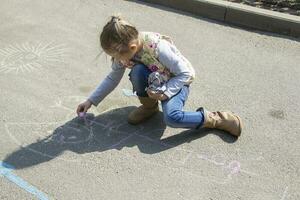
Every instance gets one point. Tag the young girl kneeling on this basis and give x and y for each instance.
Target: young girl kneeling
(159, 72)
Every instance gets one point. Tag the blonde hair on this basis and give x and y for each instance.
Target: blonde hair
(117, 35)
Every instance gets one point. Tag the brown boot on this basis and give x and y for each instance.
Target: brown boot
(226, 121)
(148, 108)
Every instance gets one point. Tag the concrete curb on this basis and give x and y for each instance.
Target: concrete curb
(238, 14)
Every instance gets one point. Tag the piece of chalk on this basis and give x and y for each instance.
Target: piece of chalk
(128, 93)
(81, 114)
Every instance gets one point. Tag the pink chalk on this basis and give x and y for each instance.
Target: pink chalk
(81, 114)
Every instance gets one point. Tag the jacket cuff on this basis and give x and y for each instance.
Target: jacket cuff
(93, 102)
(168, 94)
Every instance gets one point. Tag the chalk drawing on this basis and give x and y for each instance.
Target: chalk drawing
(219, 160)
(63, 134)
(89, 124)
(70, 103)
(6, 171)
(58, 104)
(73, 137)
(28, 57)
(234, 167)
(128, 93)
(174, 168)
(58, 137)
(116, 127)
(61, 139)
(284, 193)
(186, 158)
(110, 126)
(121, 141)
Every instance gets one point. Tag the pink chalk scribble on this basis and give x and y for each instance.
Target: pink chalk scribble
(235, 167)
(61, 139)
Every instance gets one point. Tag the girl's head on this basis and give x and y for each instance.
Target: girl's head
(120, 39)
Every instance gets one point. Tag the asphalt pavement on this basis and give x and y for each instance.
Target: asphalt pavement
(49, 64)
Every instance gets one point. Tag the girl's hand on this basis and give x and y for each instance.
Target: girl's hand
(157, 96)
(83, 107)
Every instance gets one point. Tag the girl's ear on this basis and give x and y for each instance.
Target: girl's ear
(133, 47)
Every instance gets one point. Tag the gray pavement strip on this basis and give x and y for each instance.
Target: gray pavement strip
(237, 14)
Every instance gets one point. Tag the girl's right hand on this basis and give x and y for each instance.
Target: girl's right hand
(83, 107)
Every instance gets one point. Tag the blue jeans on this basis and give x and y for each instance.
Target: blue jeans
(173, 113)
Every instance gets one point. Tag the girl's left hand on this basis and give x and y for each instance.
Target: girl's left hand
(157, 96)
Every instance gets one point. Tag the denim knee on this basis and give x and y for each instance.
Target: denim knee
(173, 118)
(139, 79)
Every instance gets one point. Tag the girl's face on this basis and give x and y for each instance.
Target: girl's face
(125, 58)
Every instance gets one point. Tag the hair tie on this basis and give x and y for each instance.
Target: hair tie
(115, 19)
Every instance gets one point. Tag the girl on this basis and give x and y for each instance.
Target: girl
(159, 72)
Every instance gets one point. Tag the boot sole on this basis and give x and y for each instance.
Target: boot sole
(240, 125)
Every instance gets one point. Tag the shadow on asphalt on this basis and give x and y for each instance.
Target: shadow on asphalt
(106, 131)
(165, 8)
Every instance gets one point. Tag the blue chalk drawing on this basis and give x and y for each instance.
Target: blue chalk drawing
(6, 171)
